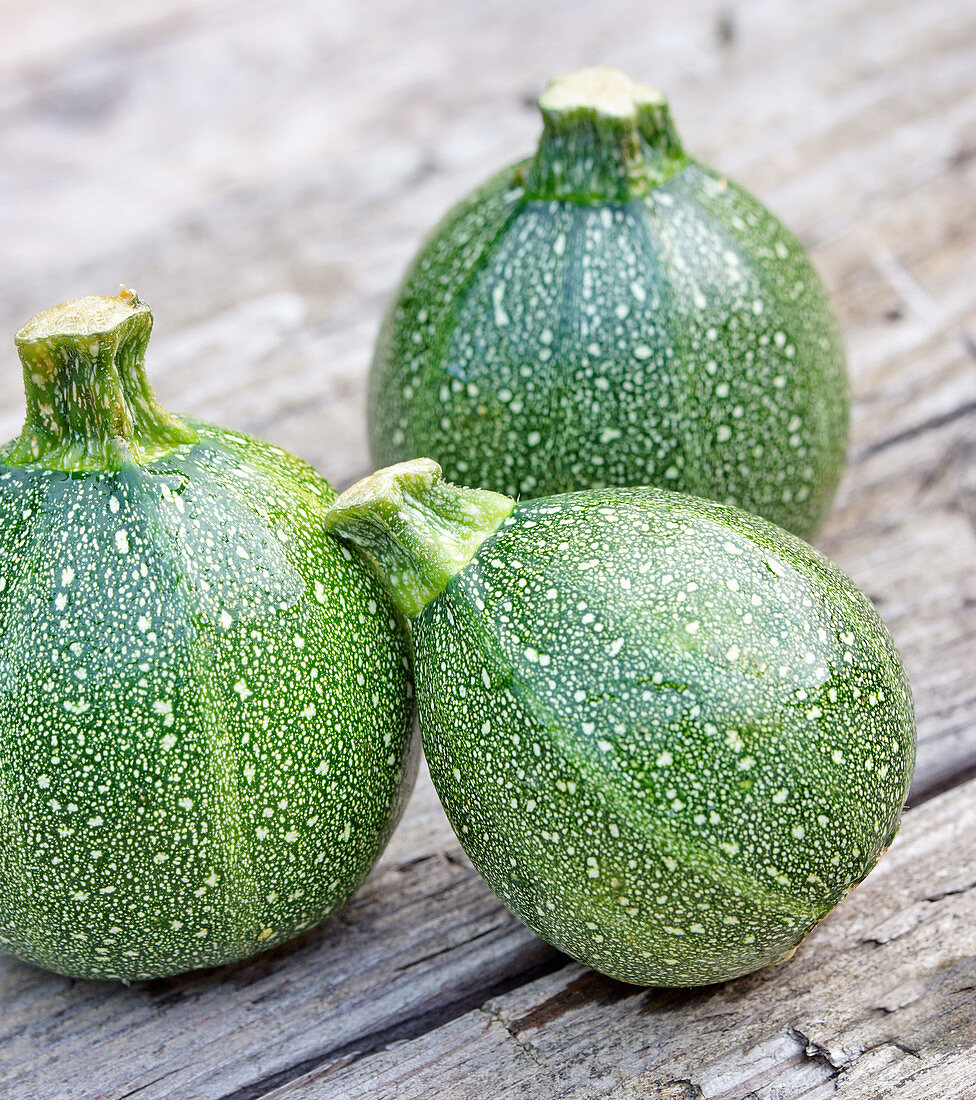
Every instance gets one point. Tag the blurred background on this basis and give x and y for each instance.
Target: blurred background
(262, 170)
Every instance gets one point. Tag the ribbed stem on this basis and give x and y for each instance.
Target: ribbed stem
(420, 529)
(89, 403)
(605, 138)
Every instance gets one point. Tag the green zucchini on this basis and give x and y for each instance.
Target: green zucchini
(613, 312)
(670, 735)
(205, 704)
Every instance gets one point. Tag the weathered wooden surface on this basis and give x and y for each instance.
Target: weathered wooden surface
(261, 171)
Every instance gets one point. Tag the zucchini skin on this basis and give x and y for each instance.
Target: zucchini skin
(205, 711)
(670, 736)
(681, 339)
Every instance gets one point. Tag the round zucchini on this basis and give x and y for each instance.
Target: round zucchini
(670, 735)
(613, 312)
(205, 705)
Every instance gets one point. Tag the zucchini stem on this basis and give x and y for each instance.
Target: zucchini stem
(420, 529)
(605, 138)
(89, 403)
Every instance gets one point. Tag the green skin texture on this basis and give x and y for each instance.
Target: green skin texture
(205, 714)
(674, 335)
(669, 807)
(669, 735)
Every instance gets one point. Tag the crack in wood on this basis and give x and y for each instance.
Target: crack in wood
(319, 1065)
(149, 1084)
(525, 1047)
(932, 424)
(688, 1090)
(839, 1063)
(591, 987)
(450, 947)
(951, 893)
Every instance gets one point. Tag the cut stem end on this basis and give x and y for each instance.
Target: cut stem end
(420, 529)
(96, 315)
(89, 403)
(605, 138)
(601, 89)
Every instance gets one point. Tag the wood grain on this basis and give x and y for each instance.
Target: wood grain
(426, 986)
(262, 170)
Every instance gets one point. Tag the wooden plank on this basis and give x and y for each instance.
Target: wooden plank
(36, 35)
(879, 1001)
(340, 142)
(424, 942)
